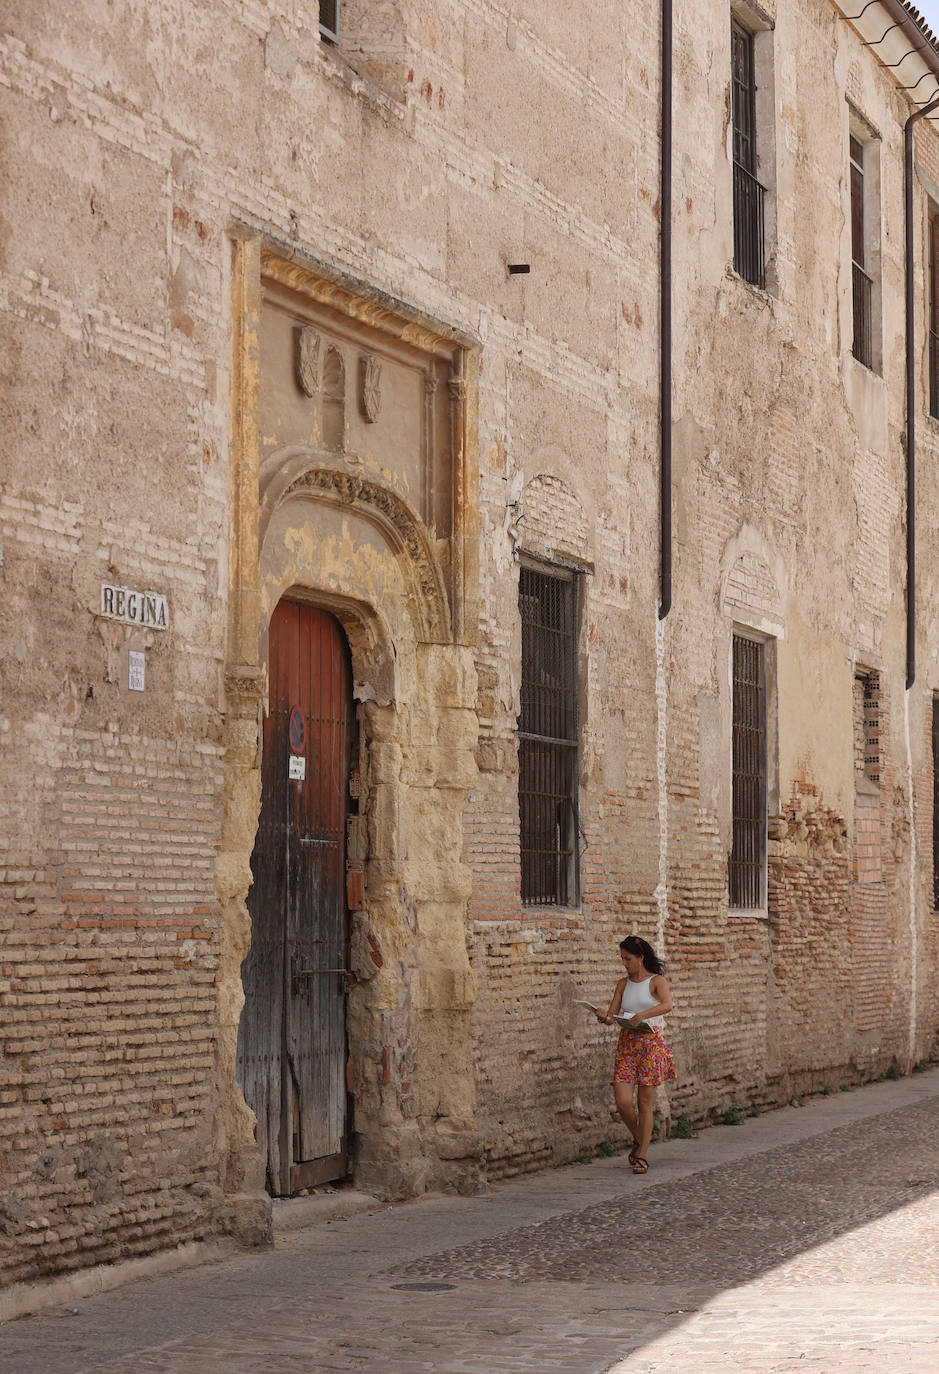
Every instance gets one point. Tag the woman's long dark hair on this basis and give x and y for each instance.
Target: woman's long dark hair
(634, 944)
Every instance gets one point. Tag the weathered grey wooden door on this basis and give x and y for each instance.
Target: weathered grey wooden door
(292, 1036)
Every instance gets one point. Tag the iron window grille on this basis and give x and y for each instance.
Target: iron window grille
(749, 194)
(548, 739)
(934, 316)
(935, 802)
(862, 285)
(867, 760)
(748, 801)
(329, 19)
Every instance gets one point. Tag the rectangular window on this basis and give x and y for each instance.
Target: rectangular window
(935, 802)
(749, 250)
(862, 284)
(548, 738)
(867, 725)
(933, 292)
(329, 19)
(748, 793)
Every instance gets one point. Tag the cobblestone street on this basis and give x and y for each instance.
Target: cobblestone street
(806, 1238)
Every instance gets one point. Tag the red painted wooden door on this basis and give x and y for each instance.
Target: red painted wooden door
(292, 1036)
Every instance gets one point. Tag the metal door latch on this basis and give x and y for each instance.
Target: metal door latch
(300, 975)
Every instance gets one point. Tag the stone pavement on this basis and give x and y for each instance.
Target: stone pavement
(805, 1238)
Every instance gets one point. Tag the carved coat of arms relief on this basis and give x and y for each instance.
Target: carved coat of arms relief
(371, 387)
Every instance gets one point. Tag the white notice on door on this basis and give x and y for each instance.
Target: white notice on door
(297, 767)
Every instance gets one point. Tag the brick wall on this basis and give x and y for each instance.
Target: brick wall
(420, 161)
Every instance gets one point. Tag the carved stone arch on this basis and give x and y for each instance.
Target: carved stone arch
(302, 474)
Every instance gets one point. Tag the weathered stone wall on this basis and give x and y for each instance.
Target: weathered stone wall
(155, 150)
(789, 522)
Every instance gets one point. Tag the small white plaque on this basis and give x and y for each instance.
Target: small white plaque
(297, 767)
(136, 670)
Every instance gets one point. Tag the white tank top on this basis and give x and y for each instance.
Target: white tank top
(636, 997)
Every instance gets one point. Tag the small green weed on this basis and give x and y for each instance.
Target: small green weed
(605, 1149)
(733, 1116)
(754, 1110)
(796, 1102)
(682, 1129)
(827, 1090)
(893, 1073)
(847, 1087)
(920, 1066)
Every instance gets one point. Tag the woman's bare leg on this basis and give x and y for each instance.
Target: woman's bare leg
(646, 1097)
(623, 1096)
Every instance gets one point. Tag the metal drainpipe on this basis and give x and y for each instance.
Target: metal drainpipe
(665, 321)
(911, 400)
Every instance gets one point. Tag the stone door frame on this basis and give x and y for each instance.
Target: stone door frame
(405, 996)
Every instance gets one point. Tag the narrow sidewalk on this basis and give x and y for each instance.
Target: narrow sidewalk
(567, 1271)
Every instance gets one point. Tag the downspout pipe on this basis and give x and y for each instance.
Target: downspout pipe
(911, 396)
(665, 322)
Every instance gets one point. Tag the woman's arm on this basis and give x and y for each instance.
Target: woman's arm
(616, 1001)
(658, 988)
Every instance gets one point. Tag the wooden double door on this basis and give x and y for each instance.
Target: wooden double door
(292, 1035)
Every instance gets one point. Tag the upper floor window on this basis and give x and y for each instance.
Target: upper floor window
(548, 738)
(864, 173)
(861, 282)
(329, 19)
(749, 194)
(935, 801)
(933, 297)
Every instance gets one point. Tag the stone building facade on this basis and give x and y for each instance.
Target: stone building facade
(355, 336)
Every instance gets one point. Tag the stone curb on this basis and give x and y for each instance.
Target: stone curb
(297, 1213)
(30, 1299)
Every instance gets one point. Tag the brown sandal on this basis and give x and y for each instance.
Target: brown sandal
(633, 1152)
(640, 1165)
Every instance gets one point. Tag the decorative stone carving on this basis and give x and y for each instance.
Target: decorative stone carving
(334, 400)
(371, 387)
(308, 361)
(245, 681)
(352, 490)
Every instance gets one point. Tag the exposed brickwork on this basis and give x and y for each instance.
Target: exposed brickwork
(408, 166)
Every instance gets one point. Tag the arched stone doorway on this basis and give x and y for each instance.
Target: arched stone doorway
(386, 554)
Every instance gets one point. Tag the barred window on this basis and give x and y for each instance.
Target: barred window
(933, 295)
(748, 848)
(935, 801)
(749, 194)
(548, 738)
(867, 725)
(861, 280)
(329, 19)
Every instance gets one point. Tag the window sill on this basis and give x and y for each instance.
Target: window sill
(866, 786)
(356, 81)
(761, 293)
(867, 369)
(746, 913)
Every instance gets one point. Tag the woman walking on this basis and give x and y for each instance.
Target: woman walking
(643, 1060)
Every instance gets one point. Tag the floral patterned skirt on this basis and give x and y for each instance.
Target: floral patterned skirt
(643, 1057)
